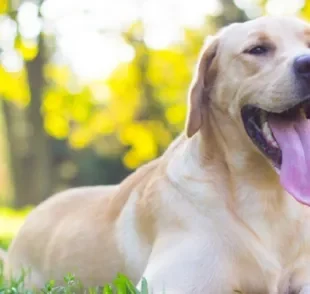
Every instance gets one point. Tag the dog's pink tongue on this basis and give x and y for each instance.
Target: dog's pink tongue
(293, 138)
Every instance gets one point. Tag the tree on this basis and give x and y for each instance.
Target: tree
(29, 150)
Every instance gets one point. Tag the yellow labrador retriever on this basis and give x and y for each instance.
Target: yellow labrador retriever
(225, 209)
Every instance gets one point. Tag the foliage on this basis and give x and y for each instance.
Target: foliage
(55, 119)
(143, 122)
(121, 285)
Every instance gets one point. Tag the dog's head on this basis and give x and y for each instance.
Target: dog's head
(258, 74)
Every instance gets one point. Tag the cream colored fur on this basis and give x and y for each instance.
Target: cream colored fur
(209, 216)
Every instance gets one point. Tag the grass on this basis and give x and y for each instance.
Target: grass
(121, 285)
(10, 222)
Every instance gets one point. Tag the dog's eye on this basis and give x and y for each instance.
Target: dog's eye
(258, 50)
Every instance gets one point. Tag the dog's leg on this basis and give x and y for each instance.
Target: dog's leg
(300, 280)
(188, 264)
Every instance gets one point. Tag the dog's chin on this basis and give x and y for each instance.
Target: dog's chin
(256, 124)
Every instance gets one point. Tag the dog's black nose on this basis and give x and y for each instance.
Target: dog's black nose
(302, 66)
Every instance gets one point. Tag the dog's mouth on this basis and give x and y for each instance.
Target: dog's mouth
(257, 126)
(284, 138)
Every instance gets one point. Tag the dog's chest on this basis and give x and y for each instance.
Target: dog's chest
(272, 248)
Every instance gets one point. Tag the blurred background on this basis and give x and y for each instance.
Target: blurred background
(92, 89)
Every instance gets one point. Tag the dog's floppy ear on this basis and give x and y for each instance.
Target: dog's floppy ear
(200, 87)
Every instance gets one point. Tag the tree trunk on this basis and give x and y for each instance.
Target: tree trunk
(17, 152)
(39, 166)
(30, 153)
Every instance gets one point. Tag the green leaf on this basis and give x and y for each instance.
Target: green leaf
(144, 286)
(107, 289)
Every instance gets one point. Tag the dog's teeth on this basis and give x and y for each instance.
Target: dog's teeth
(268, 135)
(263, 117)
(302, 113)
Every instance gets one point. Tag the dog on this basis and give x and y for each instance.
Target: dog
(225, 209)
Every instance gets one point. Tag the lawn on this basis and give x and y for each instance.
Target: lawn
(10, 222)
(121, 285)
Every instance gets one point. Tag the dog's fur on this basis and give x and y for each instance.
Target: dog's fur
(209, 216)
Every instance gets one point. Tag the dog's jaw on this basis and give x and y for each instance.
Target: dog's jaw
(283, 139)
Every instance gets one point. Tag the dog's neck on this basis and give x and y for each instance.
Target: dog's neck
(221, 134)
(204, 171)
(243, 175)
